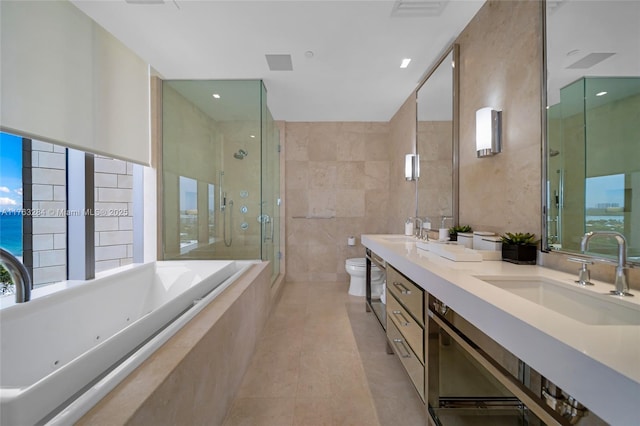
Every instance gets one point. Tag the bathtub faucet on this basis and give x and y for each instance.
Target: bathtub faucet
(19, 275)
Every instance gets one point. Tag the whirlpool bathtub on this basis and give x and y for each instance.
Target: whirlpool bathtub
(74, 341)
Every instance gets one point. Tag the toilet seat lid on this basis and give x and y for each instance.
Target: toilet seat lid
(360, 262)
(357, 261)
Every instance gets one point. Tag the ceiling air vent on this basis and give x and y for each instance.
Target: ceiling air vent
(590, 60)
(417, 8)
(279, 62)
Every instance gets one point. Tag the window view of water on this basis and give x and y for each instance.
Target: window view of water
(11, 193)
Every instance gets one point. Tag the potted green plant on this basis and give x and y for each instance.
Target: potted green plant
(520, 248)
(454, 230)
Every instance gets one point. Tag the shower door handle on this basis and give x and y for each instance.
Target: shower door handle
(265, 219)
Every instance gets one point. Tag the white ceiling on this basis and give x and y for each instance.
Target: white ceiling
(357, 45)
(576, 29)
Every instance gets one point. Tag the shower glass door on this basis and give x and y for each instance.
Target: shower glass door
(270, 218)
(220, 171)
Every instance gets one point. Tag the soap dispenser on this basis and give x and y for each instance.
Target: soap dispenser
(408, 227)
(443, 233)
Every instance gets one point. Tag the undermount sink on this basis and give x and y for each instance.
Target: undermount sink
(580, 304)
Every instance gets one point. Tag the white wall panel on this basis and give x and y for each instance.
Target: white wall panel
(64, 79)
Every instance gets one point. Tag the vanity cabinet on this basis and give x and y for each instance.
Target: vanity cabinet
(405, 325)
(473, 361)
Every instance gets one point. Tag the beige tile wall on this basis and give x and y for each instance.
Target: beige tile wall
(435, 187)
(347, 178)
(343, 179)
(402, 197)
(336, 185)
(500, 56)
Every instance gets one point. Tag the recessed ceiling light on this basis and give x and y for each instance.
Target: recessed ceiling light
(252, 136)
(601, 93)
(215, 95)
(405, 62)
(308, 54)
(573, 52)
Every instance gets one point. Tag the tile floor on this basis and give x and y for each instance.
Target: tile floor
(322, 360)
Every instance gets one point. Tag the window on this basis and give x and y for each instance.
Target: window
(33, 183)
(188, 214)
(10, 202)
(11, 193)
(61, 208)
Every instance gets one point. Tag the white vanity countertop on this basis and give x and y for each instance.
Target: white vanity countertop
(599, 365)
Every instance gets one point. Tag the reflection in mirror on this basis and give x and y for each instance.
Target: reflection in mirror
(188, 214)
(436, 188)
(593, 136)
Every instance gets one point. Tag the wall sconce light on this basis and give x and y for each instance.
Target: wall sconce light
(488, 132)
(411, 167)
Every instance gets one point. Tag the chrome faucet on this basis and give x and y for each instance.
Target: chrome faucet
(622, 282)
(417, 229)
(18, 274)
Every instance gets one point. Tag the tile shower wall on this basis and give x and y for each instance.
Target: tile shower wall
(337, 185)
(500, 53)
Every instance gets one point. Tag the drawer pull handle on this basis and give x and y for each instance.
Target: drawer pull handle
(401, 287)
(403, 320)
(406, 353)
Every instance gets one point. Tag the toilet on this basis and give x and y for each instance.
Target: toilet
(357, 269)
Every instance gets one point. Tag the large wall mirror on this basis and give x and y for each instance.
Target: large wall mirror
(436, 140)
(593, 125)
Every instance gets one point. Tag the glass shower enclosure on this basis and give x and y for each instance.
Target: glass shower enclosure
(220, 172)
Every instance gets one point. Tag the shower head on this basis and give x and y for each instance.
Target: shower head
(240, 154)
(553, 152)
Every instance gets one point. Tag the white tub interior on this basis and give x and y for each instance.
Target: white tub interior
(73, 332)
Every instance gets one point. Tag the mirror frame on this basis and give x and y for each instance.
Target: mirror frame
(454, 50)
(544, 241)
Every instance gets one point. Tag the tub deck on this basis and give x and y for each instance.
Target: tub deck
(72, 334)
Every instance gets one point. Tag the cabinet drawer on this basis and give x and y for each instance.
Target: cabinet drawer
(408, 327)
(411, 364)
(409, 295)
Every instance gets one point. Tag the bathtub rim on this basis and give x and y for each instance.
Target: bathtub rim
(97, 391)
(49, 293)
